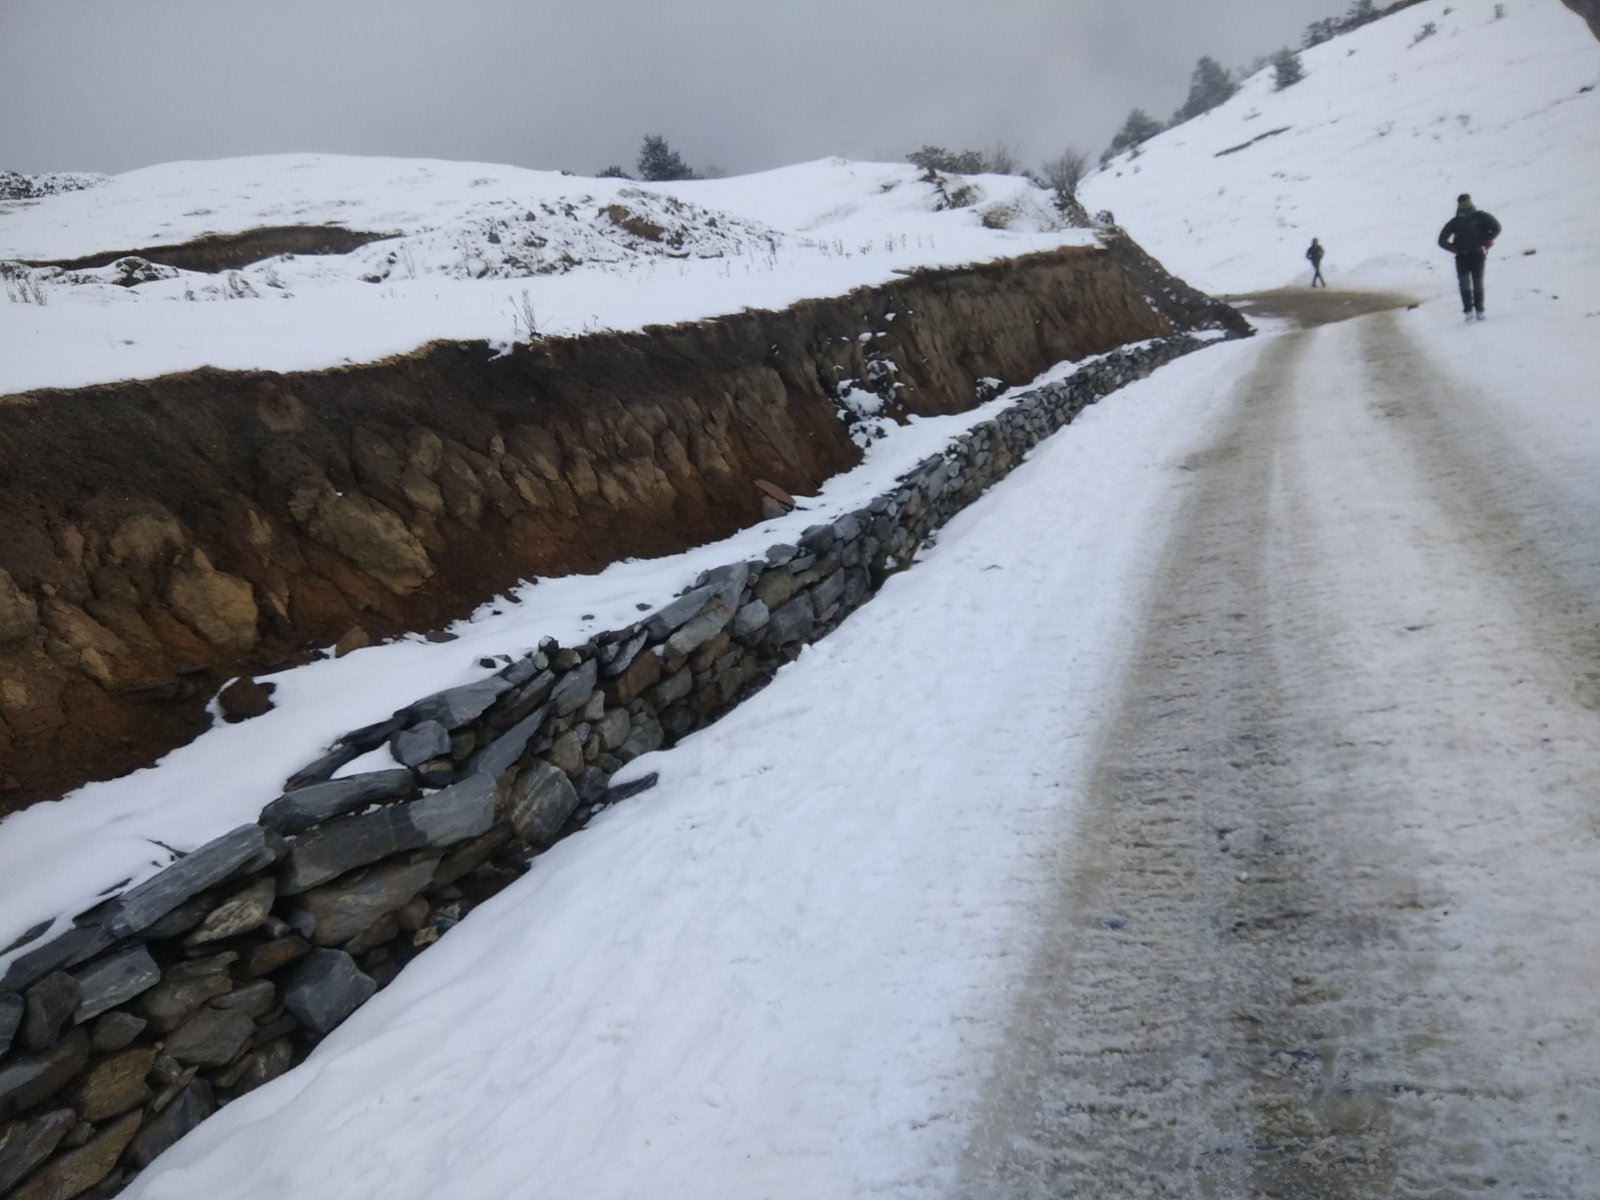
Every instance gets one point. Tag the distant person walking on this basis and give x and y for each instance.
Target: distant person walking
(1314, 257)
(1468, 235)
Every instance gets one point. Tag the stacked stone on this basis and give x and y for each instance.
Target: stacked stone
(223, 970)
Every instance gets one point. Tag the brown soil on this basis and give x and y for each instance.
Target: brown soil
(163, 535)
(230, 251)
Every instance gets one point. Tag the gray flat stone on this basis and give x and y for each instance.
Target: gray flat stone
(539, 803)
(185, 987)
(12, 1008)
(673, 688)
(419, 743)
(625, 791)
(28, 1143)
(818, 539)
(112, 980)
(254, 1000)
(519, 672)
(344, 909)
(575, 688)
(791, 623)
(185, 878)
(239, 913)
(115, 1030)
(750, 619)
(646, 736)
(28, 1079)
(704, 626)
(51, 1003)
(31, 934)
(191, 1106)
(213, 1037)
(322, 769)
(500, 755)
(454, 707)
(827, 593)
(453, 814)
(262, 1066)
(68, 949)
(325, 988)
(613, 728)
(77, 1171)
(669, 617)
(299, 810)
(616, 657)
(370, 737)
(180, 920)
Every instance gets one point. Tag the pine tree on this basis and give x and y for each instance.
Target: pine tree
(1140, 127)
(659, 162)
(1287, 69)
(1210, 86)
(1320, 31)
(1361, 12)
(937, 158)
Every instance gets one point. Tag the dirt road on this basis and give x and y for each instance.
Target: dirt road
(1330, 926)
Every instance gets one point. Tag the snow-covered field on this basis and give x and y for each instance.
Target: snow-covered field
(786, 970)
(476, 248)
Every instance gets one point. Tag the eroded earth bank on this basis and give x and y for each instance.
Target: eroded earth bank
(164, 535)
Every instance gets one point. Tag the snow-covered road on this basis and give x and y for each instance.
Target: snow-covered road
(1325, 928)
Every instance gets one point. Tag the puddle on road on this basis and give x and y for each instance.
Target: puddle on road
(1307, 307)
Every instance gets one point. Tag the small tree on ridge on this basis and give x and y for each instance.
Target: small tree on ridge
(1286, 69)
(659, 162)
(1210, 86)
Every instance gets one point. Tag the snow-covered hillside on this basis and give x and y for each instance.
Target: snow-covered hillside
(1369, 151)
(468, 252)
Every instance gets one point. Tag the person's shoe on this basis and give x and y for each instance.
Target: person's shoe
(1468, 317)
(1482, 316)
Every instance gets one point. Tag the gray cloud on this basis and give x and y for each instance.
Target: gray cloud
(109, 85)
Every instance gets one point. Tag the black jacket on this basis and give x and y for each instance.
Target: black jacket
(1469, 232)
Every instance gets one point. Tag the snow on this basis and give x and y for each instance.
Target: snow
(474, 243)
(786, 971)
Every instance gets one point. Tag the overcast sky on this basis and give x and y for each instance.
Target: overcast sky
(740, 85)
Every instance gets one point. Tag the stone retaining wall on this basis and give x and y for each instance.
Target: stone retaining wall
(225, 969)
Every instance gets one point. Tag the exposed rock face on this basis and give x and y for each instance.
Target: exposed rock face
(166, 534)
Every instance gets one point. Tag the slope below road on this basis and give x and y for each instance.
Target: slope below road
(1315, 932)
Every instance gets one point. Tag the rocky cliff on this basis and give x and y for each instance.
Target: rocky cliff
(166, 534)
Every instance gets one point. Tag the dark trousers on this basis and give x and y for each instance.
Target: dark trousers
(1469, 274)
(1316, 275)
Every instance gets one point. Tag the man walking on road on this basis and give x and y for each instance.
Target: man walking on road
(1314, 255)
(1468, 235)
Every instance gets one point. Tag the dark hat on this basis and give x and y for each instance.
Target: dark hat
(1463, 199)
